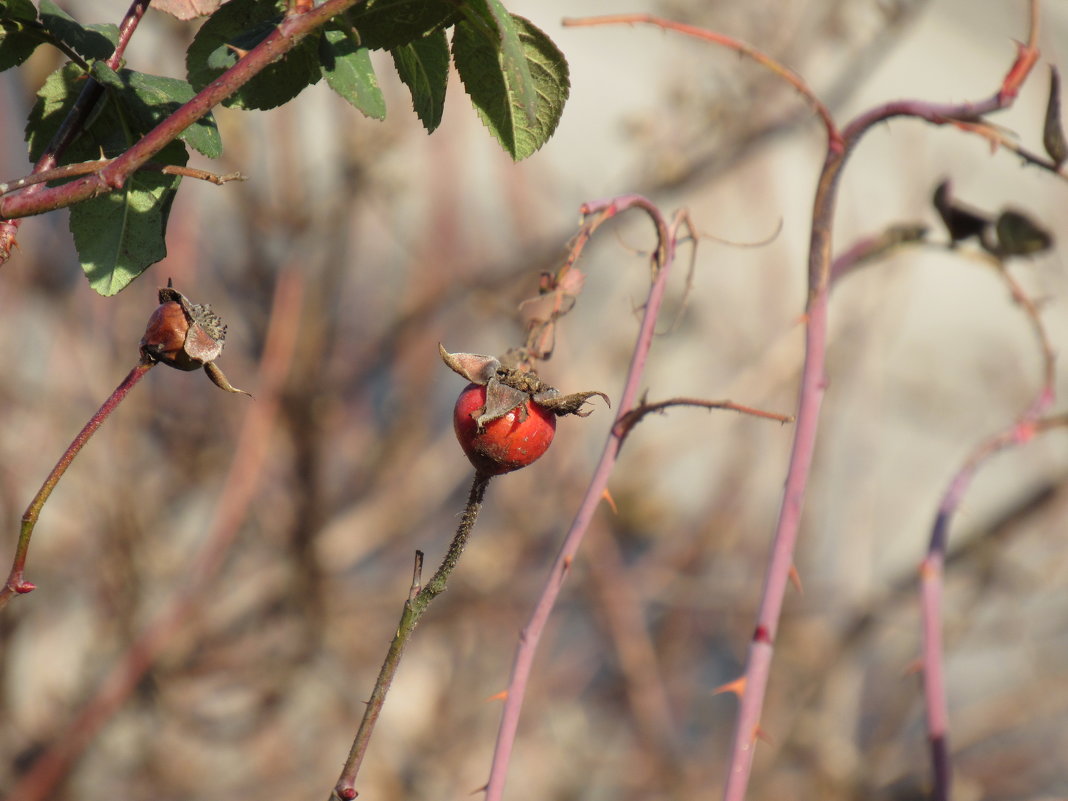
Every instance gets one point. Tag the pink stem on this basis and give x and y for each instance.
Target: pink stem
(16, 581)
(532, 632)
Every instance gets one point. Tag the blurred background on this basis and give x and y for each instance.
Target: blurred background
(266, 545)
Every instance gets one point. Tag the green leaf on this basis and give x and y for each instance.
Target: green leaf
(120, 234)
(385, 24)
(17, 10)
(423, 65)
(20, 32)
(17, 44)
(88, 41)
(501, 31)
(149, 99)
(348, 70)
(489, 82)
(240, 25)
(105, 133)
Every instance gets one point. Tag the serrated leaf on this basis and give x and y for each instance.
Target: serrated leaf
(385, 24)
(19, 32)
(349, 72)
(501, 31)
(120, 234)
(17, 43)
(499, 104)
(240, 25)
(88, 41)
(423, 66)
(149, 99)
(104, 133)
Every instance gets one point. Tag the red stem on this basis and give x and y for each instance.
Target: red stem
(74, 120)
(280, 41)
(16, 582)
(235, 497)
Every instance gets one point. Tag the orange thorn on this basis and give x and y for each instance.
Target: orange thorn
(913, 667)
(737, 687)
(760, 734)
(928, 570)
(481, 789)
(1025, 432)
(567, 562)
(611, 503)
(795, 579)
(501, 696)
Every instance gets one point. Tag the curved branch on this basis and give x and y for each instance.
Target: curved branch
(284, 38)
(600, 211)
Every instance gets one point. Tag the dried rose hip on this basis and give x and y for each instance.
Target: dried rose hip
(186, 336)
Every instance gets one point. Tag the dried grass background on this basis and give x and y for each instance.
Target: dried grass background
(354, 248)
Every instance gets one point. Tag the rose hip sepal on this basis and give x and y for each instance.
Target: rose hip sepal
(506, 417)
(185, 336)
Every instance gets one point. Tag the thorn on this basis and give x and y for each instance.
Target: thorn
(913, 667)
(1025, 431)
(567, 563)
(928, 571)
(219, 380)
(737, 687)
(760, 734)
(481, 789)
(240, 53)
(795, 579)
(607, 496)
(501, 696)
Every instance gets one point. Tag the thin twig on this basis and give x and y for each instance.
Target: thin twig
(932, 567)
(414, 607)
(251, 455)
(88, 167)
(627, 422)
(784, 72)
(16, 580)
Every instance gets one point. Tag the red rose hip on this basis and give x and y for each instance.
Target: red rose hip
(507, 443)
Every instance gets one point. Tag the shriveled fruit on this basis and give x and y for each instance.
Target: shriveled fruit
(505, 443)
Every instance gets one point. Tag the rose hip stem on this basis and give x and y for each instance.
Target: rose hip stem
(419, 599)
(16, 582)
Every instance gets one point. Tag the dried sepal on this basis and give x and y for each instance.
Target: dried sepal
(219, 379)
(476, 368)
(1019, 235)
(569, 404)
(1052, 131)
(509, 387)
(961, 222)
